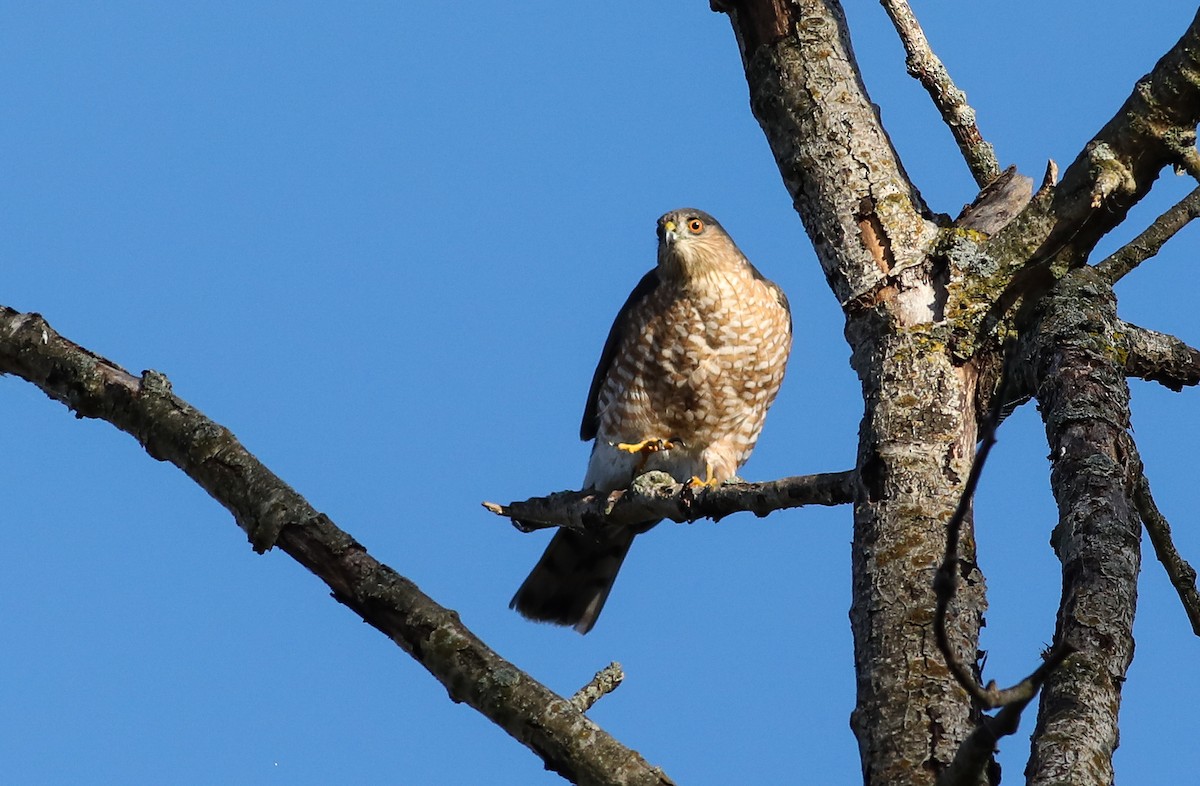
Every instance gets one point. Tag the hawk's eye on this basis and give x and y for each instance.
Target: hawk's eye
(695, 226)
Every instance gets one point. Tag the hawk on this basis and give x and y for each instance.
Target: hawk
(692, 362)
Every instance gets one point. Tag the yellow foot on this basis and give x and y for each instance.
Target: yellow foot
(708, 481)
(645, 446)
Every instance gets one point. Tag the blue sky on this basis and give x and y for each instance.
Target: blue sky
(383, 245)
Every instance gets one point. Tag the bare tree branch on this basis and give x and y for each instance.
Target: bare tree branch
(1159, 357)
(1118, 167)
(273, 514)
(1182, 575)
(1135, 252)
(656, 495)
(951, 102)
(976, 753)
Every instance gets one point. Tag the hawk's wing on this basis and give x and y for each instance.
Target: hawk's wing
(591, 417)
(780, 297)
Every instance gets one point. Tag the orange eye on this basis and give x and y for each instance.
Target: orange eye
(695, 226)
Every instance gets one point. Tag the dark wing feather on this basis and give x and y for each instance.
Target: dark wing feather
(591, 417)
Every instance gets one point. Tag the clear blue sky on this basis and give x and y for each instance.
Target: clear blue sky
(383, 245)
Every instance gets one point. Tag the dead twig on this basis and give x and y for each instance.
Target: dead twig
(951, 102)
(604, 683)
(1182, 574)
(945, 584)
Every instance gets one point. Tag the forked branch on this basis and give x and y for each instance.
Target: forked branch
(975, 751)
(945, 583)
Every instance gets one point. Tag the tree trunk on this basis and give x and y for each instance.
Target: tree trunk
(873, 234)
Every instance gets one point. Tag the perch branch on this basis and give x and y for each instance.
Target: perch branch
(272, 513)
(1182, 575)
(951, 102)
(656, 495)
(1147, 244)
(1158, 357)
(605, 682)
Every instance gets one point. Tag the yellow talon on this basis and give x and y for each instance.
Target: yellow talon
(652, 445)
(708, 482)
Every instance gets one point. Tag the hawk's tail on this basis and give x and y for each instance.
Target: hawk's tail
(572, 580)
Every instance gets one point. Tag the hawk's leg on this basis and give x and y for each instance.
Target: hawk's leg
(708, 482)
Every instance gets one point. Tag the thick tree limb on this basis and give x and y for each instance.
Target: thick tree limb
(1155, 128)
(656, 495)
(1084, 401)
(273, 514)
(1147, 244)
(1158, 357)
(1181, 574)
(951, 102)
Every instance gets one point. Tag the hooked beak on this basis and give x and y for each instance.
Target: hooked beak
(667, 233)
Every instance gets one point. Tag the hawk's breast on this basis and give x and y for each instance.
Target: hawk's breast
(701, 363)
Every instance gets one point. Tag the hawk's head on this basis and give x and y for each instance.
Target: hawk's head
(691, 243)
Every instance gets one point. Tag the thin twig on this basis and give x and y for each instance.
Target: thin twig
(945, 581)
(1182, 575)
(950, 101)
(604, 683)
(976, 751)
(1147, 244)
(656, 495)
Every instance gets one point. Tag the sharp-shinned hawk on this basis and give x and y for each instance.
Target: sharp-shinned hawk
(692, 362)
